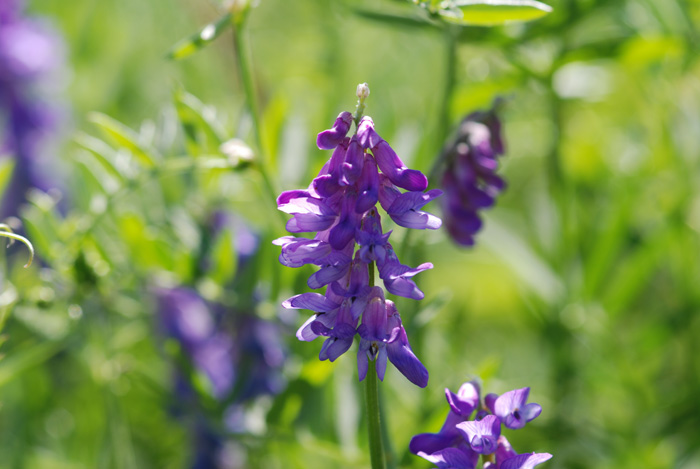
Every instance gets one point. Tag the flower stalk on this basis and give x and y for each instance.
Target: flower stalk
(374, 427)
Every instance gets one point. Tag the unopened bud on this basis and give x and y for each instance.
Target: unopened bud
(362, 91)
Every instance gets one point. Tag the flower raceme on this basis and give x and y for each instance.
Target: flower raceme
(340, 207)
(470, 180)
(461, 440)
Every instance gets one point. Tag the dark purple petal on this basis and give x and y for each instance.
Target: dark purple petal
(490, 400)
(368, 186)
(329, 139)
(392, 166)
(403, 358)
(344, 232)
(374, 318)
(311, 301)
(465, 401)
(354, 161)
(366, 134)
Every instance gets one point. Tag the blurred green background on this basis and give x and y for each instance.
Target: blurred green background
(583, 284)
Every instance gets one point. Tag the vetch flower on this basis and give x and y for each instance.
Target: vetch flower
(461, 435)
(512, 409)
(482, 434)
(31, 66)
(470, 181)
(340, 207)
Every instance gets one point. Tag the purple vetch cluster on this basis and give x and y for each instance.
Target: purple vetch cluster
(470, 180)
(340, 207)
(31, 64)
(462, 440)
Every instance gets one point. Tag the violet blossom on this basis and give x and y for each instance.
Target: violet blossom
(470, 181)
(339, 207)
(462, 439)
(31, 59)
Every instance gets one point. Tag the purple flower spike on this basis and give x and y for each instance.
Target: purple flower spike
(482, 435)
(331, 138)
(340, 206)
(465, 401)
(512, 410)
(470, 180)
(526, 461)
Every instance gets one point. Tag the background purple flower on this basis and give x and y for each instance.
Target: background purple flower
(31, 65)
(470, 181)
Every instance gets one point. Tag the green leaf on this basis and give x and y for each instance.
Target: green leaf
(27, 357)
(6, 167)
(202, 134)
(492, 12)
(223, 258)
(122, 136)
(200, 40)
(102, 152)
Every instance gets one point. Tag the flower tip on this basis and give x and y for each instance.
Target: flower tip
(362, 91)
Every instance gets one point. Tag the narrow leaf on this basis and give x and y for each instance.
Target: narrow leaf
(492, 12)
(6, 167)
(123, 136)
(201, 39)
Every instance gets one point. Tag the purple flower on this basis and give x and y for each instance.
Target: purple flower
(470, 181)
(481, 435)
(329, 139)
(512, 409)
(31, 58)
(340, 206)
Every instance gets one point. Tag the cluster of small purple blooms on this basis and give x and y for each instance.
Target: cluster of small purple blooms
(470, 180)
(239, 355)
(340, 206)
(461, 441)
(31, 63)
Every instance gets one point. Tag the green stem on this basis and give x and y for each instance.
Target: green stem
(450, 79)
(376, 446)
(374, 426)
(245, 75)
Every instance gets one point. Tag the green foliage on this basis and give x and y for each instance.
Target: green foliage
(583, 284)
(492, 12)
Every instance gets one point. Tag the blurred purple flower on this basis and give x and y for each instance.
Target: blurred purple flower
(31, 61)
(340, 207)
(470, 181)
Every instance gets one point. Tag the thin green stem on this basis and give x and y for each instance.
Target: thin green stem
(450, 80)
(245, 74)
(374, 426)
(376, 446)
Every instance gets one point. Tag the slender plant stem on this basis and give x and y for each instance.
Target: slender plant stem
(374, 426)
(245, 74)
(450, 79)
(376, 445)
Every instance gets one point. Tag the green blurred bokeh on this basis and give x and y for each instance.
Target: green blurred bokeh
(583, 284)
